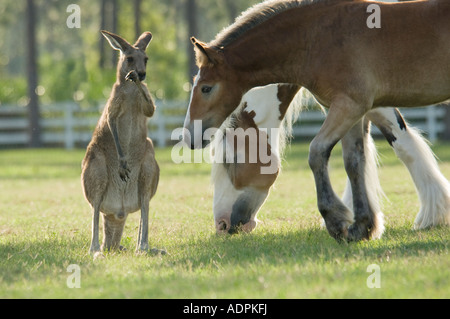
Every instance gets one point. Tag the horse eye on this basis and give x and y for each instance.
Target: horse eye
(130, 59)
(206, 89)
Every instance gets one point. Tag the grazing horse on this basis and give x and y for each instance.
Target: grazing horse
(240, 189)
(349, 66)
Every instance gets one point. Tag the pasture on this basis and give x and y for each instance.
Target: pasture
(45, 226)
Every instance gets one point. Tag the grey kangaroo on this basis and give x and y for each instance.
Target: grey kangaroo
(119, 171)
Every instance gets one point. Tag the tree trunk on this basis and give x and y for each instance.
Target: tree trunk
(191, 16)
(32, 77)
(102, 38)
(137, 18)
(114, 28)
(232, 9)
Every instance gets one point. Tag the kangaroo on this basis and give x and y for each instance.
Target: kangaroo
(119, 171)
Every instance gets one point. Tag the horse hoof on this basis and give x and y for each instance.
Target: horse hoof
(99, 255)
(356, 233)
(338, 232)
(156, 252)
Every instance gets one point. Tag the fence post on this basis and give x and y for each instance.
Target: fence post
(446, 121)
(69, 141)
(432, 123)
(161, 132)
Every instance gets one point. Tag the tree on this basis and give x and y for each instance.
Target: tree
(191, 17)
(137, 18)
(108, 9)
(114, 28)
(232, 9)
(32, 76)
(102, 39)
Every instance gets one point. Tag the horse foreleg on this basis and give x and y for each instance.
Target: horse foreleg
(360, 169)
(373, 185)
(343, 114)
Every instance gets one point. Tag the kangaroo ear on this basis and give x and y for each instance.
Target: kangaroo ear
(143, 41)
(205, 54)
(116, 42)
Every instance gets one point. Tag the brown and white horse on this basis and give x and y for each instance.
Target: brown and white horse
(241, 185)
(349, 66)
(240, 189)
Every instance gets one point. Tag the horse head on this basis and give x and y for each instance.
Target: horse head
(215, 94)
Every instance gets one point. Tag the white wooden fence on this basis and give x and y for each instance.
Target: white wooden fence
(67, 125)
(430, 120)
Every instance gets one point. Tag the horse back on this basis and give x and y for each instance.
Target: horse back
(416, 52)
(404, 61)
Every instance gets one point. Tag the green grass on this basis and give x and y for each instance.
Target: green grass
(45, 227)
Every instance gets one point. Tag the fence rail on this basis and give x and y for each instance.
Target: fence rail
(67, 125)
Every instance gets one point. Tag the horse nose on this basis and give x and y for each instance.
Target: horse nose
(142, 76)
(240, 216)
(241, 227)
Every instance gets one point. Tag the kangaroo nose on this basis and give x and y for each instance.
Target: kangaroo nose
(142, 76)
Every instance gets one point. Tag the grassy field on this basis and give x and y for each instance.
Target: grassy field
(45, 227)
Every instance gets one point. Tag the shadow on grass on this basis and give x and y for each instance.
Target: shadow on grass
(313, 245)
(49, 255)
(21, 259)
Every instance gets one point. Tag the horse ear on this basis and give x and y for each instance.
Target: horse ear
(205, 55)
(143, 41)
(116, 42)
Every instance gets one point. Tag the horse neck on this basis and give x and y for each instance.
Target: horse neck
(261, 102)
(275, 52)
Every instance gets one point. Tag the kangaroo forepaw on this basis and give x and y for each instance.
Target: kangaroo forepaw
(132, 76)
(124, 171)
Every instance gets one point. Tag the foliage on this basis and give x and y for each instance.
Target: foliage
(289, 255)
(69, 58)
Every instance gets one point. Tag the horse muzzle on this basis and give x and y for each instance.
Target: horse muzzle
(223, 226)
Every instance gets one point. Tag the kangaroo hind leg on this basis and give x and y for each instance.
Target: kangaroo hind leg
(94, 180)
(113, 230)
(148, 183)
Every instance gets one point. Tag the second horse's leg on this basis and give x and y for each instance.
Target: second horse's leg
(412, 149)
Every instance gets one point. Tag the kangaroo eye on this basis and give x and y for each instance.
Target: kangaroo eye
(130, 59)
(206, 89)
(146, 60)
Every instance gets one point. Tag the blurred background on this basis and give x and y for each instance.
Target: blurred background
(46, 60)
(56, 70)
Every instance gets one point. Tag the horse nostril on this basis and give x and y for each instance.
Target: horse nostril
(222, 225)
